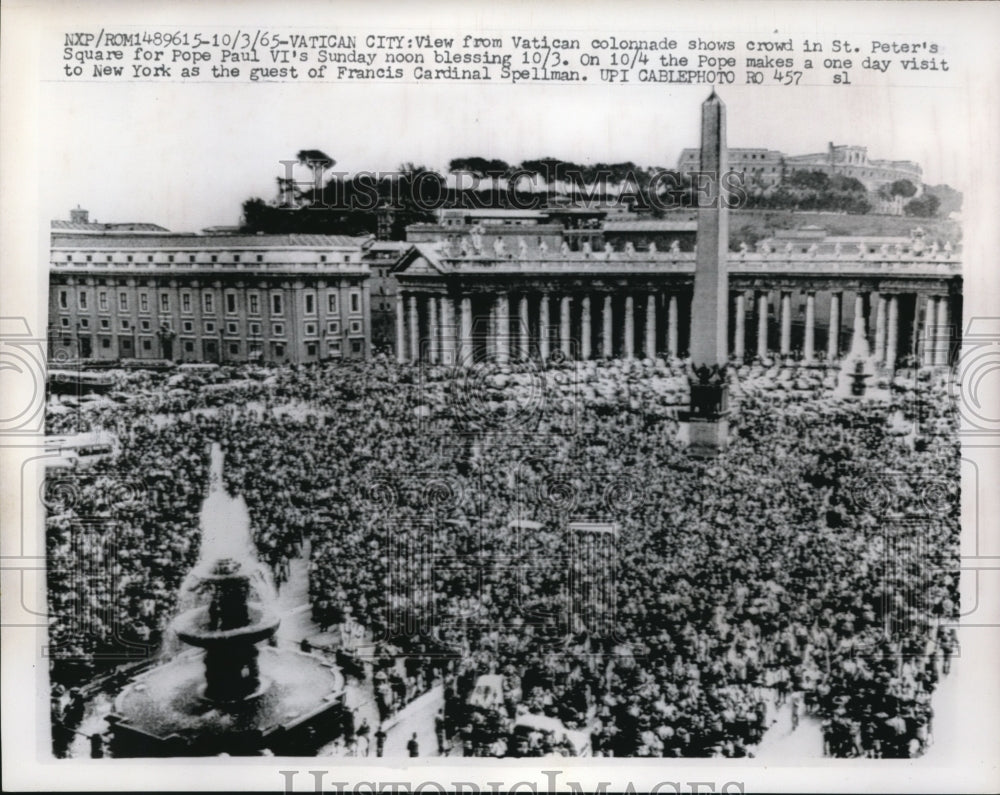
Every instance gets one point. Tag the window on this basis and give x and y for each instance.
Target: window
(185, 302)
(147, 345)
(102, 300)
(123, 301)
(322, 257)
(188, 326)
(310, 329)
(215, 258)
(260, 258)
(69, 258)
(188, 346)
(254, 301)
(191, 258)
(236, 257)
(64, 299)
(355, 327)
(90, 258)
(234, 348)
(255, 329)
(128, 258)
(278, 348)
(143, 302)
(231, 303)
(276, 303)
(310, 304)
(356, 346)
(278, 329)
(164, 303)
(311, 349)
(332, 304)
(355, 301)
(170, 258)
(232, 328)
(84, 323)
(209, 327)
(208, 302)
(124, 324)
(82, 299)
(105, 342)
(144, 325)
(105, 323)
(333, 327)
(333, 347)
(65, 322)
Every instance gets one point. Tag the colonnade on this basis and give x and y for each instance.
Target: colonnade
(439, 328)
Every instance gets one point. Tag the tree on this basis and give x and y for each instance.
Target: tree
(903, 187)
(480, 168)
(924, 207)
(315, 158)
(815, 180)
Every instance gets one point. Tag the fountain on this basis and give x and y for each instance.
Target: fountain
(858, 365)
(223, 693)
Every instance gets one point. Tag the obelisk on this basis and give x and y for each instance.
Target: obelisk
(709, 426)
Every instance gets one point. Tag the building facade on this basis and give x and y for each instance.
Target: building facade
(207, 298)
(769, 167)
(813, 300)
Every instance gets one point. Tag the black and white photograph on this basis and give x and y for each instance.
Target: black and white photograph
(546, 398)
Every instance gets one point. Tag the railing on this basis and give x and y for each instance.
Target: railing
(213, 267)
(941, 264)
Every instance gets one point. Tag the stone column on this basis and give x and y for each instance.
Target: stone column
(585, 327)
(859, 344)
(447, 331)
(629, 327)
(930, 319)
(892, 333)
(543, 327)
(880, 329)
(762, 325)
(739, 336)
(400, 328)
(942, 340)
(672, 326)
(503, 328)
(786, 323)
(564, 326)
(833, 339)
(650, 352)
(523, 329)
(465, 332)
(809, 343)
(607, 328)
(414, 330)
(432, 328)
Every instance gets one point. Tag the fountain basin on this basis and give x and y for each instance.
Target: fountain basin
(163, 713)
(193, 627)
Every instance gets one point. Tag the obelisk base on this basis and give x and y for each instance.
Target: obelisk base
(708, 419)
(707, 438)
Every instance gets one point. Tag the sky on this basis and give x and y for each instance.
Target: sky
(186, 155)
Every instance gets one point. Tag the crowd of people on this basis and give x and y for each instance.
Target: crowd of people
(548, 526)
